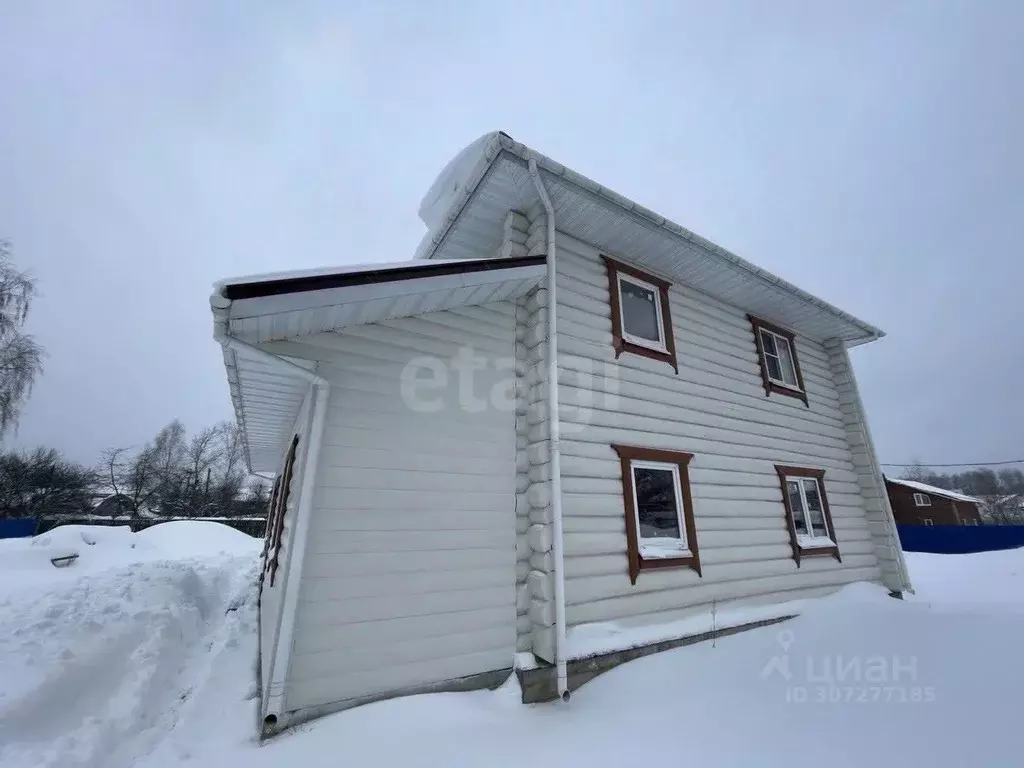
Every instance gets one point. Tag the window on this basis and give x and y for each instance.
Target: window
(970, 521)
(659, 510)
(807, 514)
(927, 522)
(641, 323)
(922, 500)
(278, 514)
(776, 352)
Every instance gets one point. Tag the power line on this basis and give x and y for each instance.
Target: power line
(926, 465)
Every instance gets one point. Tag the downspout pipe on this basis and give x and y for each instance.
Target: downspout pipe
(554, 434)
(273, 710)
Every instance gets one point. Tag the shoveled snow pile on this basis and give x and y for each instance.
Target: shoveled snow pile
(152, 664)
(98, 660)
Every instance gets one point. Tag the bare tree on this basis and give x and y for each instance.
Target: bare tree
(918, 473)
(42, 481)
(21, 358)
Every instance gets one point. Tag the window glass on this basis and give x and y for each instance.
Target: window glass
(786, 362)
(656, 502)
(814, 507)
(796, 503)
(639, 311)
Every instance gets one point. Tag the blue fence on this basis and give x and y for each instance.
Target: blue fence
(18, 529)
(960, 539)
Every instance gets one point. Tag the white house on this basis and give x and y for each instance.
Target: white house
(567, 414)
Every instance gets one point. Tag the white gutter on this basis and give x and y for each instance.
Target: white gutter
(554, 435)
(281, 652)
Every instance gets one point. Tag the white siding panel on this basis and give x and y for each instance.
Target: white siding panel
(272, 594)
(715, 408)
(410, 574)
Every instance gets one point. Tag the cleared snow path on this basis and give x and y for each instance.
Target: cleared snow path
(147, 659)
(97, 669)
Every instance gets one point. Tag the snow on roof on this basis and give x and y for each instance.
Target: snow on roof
(721, 273)
(925, 488)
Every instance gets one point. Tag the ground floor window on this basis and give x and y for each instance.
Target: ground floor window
(659, 509)
(807, 512)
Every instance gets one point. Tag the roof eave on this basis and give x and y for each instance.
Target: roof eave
(503, 143)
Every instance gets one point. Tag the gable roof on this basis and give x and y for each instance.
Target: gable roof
(466, 206)
(931, 489)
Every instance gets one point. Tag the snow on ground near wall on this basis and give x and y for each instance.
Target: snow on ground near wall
(931, 680)
(98, 661)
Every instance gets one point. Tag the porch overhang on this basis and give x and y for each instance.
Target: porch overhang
(275, 307)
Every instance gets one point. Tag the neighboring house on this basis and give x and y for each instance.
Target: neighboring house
(449, 501)
(916, 503)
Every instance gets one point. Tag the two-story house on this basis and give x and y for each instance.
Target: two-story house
(915, 503)
(567, 418)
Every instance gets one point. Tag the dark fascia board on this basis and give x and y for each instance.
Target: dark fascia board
(428, 268)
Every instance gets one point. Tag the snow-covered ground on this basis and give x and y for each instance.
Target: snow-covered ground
(145, 656)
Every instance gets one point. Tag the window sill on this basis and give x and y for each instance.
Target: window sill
(662, 553)
(648, 344)
(807, 542)
(622, 345)
(773, 388)
(667, 560)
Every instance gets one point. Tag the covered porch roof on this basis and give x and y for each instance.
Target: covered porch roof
(273, 307)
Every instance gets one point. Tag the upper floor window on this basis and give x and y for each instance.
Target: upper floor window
(776, 351)
(641, 322)
(922, 500)
(927, 521)
(807, 512)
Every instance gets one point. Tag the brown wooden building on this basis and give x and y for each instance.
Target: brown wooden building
(916, 503)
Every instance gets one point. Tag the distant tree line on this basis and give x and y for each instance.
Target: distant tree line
(173, 475)
(1002, 491)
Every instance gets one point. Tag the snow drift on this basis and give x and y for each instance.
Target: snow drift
(151, 663)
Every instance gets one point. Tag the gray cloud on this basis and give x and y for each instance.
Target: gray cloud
(868, 152)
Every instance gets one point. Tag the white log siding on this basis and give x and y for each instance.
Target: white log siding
(531, 455)
(540, 579)
(410, 574)
(716, 409)
(876, 498)
(271, 597)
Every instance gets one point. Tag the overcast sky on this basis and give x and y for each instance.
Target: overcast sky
(870, 152)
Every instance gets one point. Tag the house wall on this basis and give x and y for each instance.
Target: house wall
(409, 578)
(942, 511)
(272, 595)
(888, 549)
(715, 408)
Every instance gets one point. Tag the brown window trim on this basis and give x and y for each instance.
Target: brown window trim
(282, 505)
(271, 524)
(629, 453)
(798, 551)
(618, 341)
(770, 386)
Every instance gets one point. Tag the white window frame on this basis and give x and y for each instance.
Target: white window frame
(779, 339)
(927, 522)
(810, 541)
(660, 548)
(657, 346)
(922, 500)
